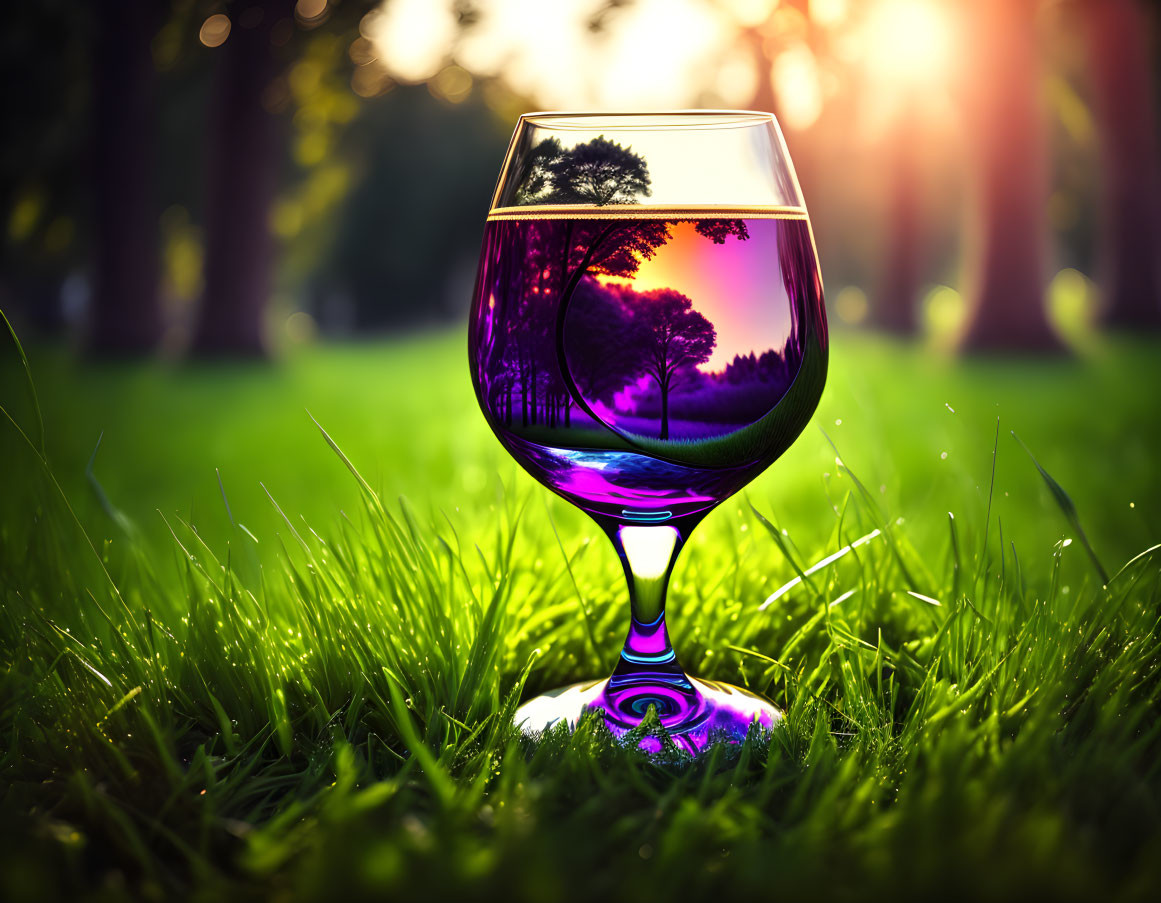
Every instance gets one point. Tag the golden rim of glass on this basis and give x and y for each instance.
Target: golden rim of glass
(648, 121)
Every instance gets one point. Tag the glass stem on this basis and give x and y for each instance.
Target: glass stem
(648, 554)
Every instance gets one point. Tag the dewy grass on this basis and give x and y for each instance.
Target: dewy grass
(317, 704)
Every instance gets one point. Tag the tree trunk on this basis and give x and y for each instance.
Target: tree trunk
(895, 306)
(523, 389)
(126, 315)
(1005, 278)
(1116, 32)
(664, 386)
(245, 145)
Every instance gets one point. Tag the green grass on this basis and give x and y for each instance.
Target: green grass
(305, 693)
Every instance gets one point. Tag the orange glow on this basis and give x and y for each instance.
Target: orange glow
(215, 30)
(908, 40)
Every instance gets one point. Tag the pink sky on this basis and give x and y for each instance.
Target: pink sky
(737, 286)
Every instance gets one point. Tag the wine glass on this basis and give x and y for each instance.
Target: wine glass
(648, 335)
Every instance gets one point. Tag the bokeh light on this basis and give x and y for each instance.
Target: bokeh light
(311, 12)
(413, 35)
(851, 306)
(944, 315)
(829, 13)
(215, 30)
(797, 85)
(575, 54)
(884, 124)
(1073, 305)
(908, 41)
(453, 84)
(749, 13)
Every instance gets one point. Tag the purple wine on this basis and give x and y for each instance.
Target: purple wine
(647, 364)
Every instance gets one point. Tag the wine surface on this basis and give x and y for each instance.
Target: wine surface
(645, 363)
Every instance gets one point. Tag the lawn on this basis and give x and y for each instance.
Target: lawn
(230, 665)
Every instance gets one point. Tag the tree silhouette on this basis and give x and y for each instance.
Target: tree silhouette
(604, 341)
(618, 248)
(601, 173)
(548, 263)
(598, 172)
(672, 336)
(535, 178)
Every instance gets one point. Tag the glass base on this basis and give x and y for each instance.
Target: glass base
(695, 713)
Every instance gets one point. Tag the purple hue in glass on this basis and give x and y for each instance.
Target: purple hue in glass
(554, 412)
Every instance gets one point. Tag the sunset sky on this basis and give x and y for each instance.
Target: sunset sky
(737, 286)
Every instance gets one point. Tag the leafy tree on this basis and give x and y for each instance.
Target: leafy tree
(672, 336)
(555, 257)
(602, 173)
(617, 248)
(599, 172)
(533, 184)
(604, 341)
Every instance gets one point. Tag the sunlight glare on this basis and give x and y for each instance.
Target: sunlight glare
(749, 13)
(828, 13)
(654, 53)
(540, 49)
(411, 37)
(796, 82)
(658, 54)
(737, 79)
(907, 40)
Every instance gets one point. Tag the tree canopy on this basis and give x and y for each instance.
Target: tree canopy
(599, 172)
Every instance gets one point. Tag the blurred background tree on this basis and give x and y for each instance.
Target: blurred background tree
(243, 160)
(1117, 35)
(1006, 258)
(126, 316)
(227, 176)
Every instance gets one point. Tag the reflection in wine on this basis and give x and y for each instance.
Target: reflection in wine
(648, 410)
